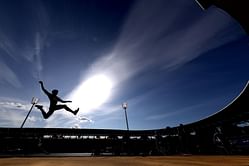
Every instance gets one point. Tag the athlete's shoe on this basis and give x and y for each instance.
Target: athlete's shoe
(76, 111)
(39, 106)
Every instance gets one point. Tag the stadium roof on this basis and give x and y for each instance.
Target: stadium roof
(238, 9)
(234, 112)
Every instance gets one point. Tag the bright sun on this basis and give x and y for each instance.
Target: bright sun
(91, 93)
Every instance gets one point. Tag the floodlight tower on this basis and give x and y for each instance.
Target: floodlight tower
(33, 102)
(125, 105)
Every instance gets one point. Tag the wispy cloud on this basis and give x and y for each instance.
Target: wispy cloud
(7, 45)
(29, 49)
(175, 112)
(8, 76)
(36, 56)
(165, 36)
(158, 34)
(205, 108)
(40, 40)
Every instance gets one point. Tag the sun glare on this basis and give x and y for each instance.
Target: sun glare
(91, 93)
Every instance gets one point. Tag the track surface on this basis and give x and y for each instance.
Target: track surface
(128, 161)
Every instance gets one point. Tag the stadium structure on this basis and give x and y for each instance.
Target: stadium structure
(225, 132)
(238, 9)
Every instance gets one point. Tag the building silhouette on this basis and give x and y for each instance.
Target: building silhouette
(225, 132)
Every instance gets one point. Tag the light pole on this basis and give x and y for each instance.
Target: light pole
(33, 102)
(125, 105)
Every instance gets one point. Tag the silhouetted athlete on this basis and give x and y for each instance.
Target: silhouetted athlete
(54, 99)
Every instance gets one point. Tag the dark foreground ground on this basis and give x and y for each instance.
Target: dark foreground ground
(127, 161)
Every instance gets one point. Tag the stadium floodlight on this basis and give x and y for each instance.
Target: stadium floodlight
(34, 101)
(125, 105)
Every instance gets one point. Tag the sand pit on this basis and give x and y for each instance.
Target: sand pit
(127, 161)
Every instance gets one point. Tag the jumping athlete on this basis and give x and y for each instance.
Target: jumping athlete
(54, 99)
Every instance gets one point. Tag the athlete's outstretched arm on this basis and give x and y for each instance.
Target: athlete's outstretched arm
(44, 90)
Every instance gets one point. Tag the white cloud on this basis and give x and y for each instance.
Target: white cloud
(11, 118)
(62, 118)
(33, 119)
(85, 119)
(14, 105)
(13, 112)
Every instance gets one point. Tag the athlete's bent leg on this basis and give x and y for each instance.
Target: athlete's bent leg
(45, 114)
(67, 108)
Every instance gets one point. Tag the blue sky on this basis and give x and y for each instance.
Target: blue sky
(169, 60)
